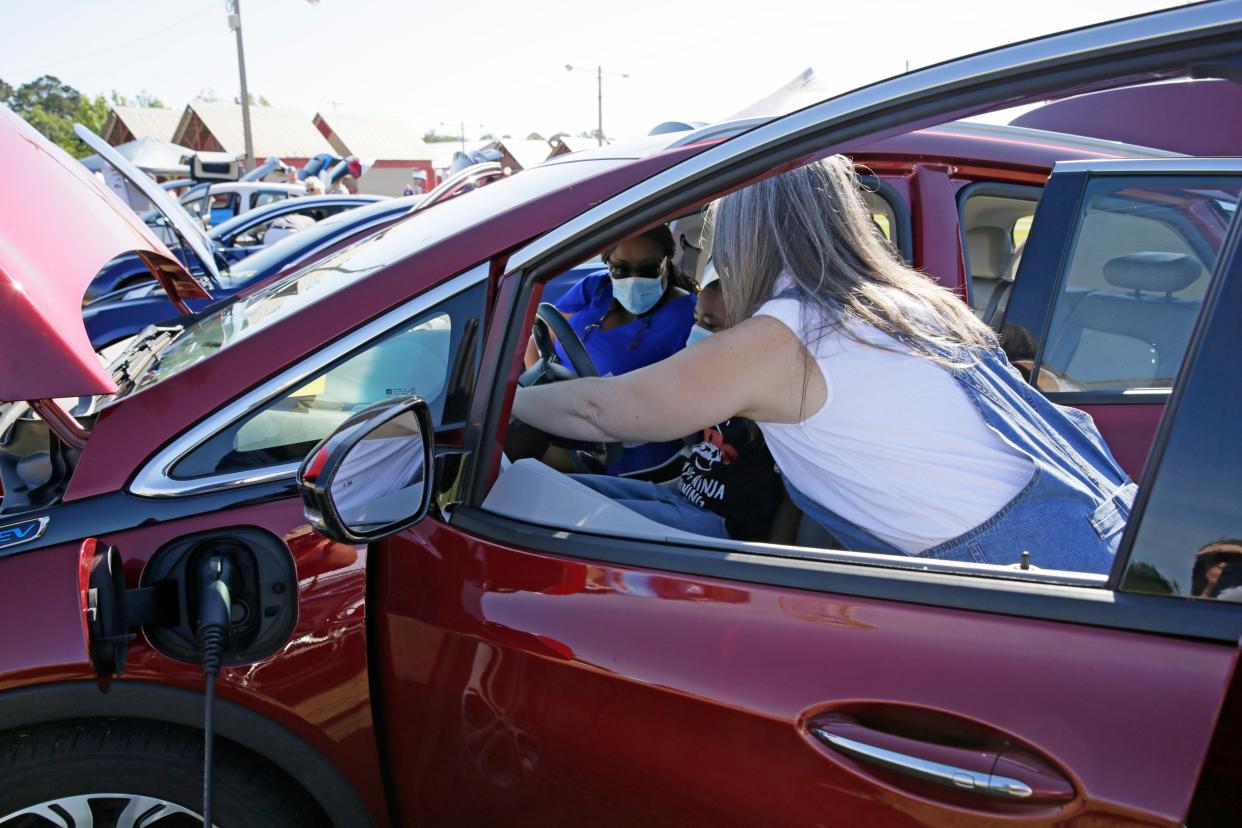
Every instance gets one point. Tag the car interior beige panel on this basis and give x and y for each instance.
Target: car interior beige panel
(529, 491)
(686, 257)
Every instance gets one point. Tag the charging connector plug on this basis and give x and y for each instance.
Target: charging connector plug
(215, 609)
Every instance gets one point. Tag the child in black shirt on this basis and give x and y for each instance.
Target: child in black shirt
(724, 482)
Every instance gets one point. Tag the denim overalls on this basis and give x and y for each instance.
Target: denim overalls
(1070, 514)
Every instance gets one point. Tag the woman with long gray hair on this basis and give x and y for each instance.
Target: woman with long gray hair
(889, 408)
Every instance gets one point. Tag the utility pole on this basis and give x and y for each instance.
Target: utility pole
(234, 8)
(599, 95)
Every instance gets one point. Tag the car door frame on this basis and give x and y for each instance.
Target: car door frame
(1147, 47)
(1132, 47)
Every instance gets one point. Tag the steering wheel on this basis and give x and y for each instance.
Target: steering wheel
(548, 322)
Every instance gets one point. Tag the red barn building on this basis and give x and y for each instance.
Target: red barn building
(284, 133)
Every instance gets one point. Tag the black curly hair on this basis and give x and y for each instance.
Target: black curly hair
(662, 238)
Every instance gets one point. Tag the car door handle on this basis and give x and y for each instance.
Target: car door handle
(1008, 774)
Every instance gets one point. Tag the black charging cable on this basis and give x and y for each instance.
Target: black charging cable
(215, 610)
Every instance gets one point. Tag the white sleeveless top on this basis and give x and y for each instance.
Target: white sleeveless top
(898, 448)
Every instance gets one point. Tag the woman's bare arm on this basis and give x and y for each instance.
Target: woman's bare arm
(755, 369)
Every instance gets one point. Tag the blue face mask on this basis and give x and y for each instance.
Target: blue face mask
(637, 294)
(696, 333)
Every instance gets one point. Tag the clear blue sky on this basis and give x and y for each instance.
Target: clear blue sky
(500, 66)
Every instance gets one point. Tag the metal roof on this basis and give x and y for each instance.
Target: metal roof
(526, 153)
(373, 138)
(442, 153)
(571, 143)
(143, 122)
(285, 133)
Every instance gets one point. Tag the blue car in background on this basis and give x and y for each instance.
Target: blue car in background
(250, 232)
(121, 314)
(230, 241)
(114, 317)
(118, 316)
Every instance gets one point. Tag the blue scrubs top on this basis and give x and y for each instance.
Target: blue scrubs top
(650, 338)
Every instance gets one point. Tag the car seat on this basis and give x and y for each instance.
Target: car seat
(1137, 331)
(989, 255)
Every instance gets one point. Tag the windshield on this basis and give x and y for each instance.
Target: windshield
(280, 254)
(284, 297)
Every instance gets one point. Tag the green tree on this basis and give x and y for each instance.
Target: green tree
(487, 136)
(52, 107)
(433, 137)
(260, 101)
(535, 136)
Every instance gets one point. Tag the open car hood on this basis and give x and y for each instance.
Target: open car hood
(190, 232)
(58, 226)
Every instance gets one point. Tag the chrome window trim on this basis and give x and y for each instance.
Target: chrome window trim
(1193, 165)
(992, 67)
(154, 478)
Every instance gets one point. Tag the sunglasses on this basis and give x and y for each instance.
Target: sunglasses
(646, 270)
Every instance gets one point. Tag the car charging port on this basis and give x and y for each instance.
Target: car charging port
(222, 598)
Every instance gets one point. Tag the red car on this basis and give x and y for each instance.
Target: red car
(484, 643)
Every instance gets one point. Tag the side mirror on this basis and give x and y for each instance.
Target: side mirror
(373, 475)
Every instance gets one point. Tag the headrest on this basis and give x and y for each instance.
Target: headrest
(1153, 271)
(990, 249)
(709, 274)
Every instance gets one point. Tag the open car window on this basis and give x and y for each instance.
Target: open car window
(1143, 247)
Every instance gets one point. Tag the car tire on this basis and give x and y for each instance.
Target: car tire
(55, 774)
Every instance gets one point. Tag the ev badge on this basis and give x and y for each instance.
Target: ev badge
(27, 530)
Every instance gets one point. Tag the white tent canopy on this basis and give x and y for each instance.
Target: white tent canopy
(149, 154)
(805, 89)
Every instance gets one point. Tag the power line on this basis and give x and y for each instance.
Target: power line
(73, 59)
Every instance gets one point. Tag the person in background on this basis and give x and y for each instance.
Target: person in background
(636, 312)
(313, 185)
(1217, 571)
(417, 185)
(291, 174)
(348, 185)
